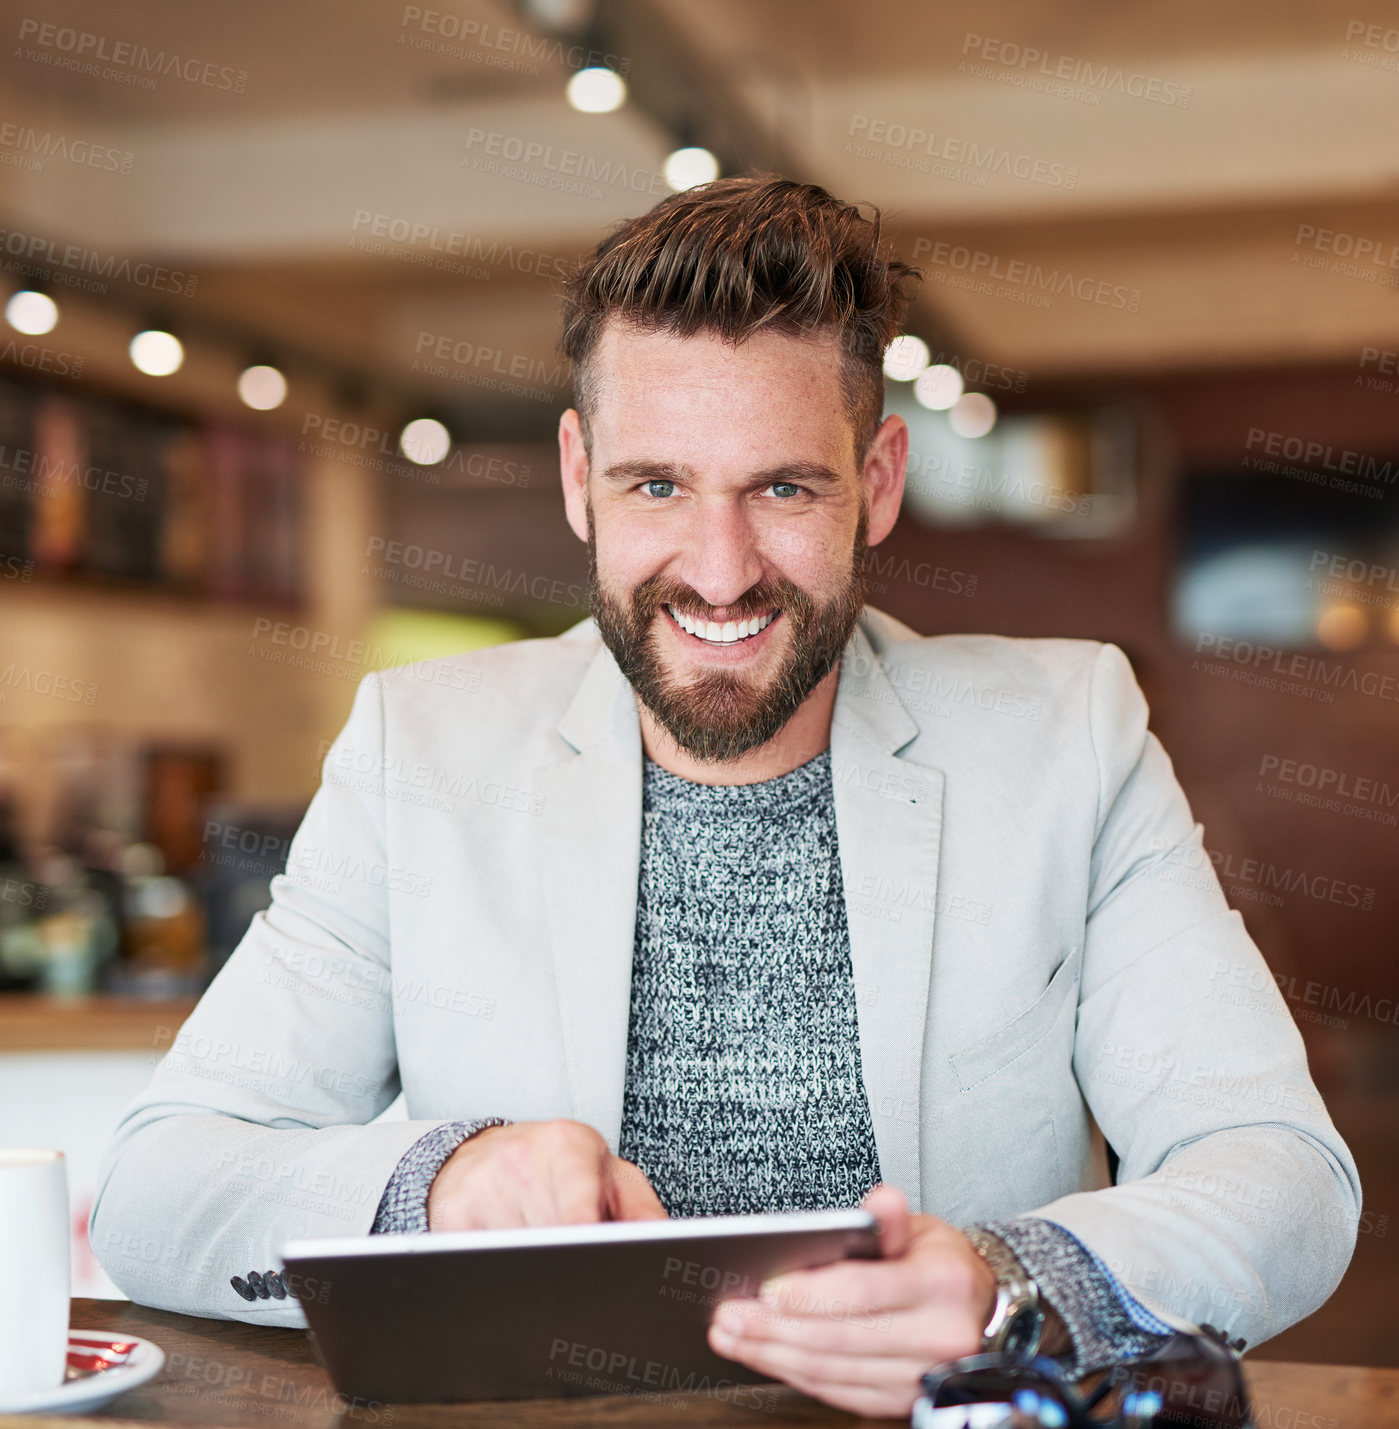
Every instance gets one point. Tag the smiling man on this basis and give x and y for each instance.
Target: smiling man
(741, 896)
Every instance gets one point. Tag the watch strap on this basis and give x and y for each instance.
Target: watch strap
(1017, 1319)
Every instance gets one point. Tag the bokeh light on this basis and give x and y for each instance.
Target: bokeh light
(425, 441)
(938, 387)
(31, 312)
(596, 90)
(262, 387)
(973, 414)
(687, 168)
(156, 353)
(905, 358)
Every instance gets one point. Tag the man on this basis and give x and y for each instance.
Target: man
(742, 896)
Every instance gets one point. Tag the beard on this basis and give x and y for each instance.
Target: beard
(722, 715)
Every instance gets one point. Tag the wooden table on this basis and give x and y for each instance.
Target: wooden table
(221, 1372)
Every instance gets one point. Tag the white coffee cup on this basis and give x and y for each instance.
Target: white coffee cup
(34, 1283)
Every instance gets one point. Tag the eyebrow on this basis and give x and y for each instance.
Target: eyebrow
(805, 473)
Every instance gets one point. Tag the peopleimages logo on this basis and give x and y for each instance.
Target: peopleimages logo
(1357, 581)
(488, 150)
(880, 137)
(1055, 71)
(1277, 669)
(1321, 456)
(1015, 278)
(125, 61)
(23, 146)
(38, 254)
(453, 243)
(1376, 249)
(1332, 790)
(437, 26)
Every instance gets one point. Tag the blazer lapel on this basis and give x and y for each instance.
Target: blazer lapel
(889, 826)
(592, 856)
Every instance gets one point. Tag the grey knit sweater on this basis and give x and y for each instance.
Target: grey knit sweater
(744, 1089)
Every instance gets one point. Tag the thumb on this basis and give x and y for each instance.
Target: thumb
(889, 1208)
(630, 1196)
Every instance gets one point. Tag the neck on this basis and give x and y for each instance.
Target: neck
(801, 739)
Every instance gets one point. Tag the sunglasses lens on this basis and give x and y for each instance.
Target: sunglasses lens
(983, 1386)
(1027, 1410)
(997, 1399)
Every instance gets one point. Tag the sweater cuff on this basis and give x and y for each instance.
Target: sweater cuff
(403, 1206)
(1106, 1324)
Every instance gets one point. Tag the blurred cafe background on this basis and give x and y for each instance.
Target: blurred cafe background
(279, 385)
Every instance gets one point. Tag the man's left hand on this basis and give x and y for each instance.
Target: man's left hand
(859, 1334)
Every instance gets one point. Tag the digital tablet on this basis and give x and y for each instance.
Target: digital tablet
(617, 1308)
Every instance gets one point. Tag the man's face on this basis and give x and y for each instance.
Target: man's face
(726, 524)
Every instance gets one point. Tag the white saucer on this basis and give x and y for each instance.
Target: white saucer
(100, 1367)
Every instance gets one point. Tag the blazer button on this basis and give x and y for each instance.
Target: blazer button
(259, 1285)
(243, 1288)
(274, 1284)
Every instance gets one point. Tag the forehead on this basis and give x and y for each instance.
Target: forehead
(648, 384)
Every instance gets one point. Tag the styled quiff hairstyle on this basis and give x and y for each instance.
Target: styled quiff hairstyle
(740, 256)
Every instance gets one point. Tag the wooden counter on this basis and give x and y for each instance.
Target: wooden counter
(30, 1023)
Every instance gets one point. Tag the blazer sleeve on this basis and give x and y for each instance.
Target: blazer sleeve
(1237, 1202)
(253, 1128)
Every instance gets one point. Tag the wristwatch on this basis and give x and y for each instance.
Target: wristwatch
(1017, 1323)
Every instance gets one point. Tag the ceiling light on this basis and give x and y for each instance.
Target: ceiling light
(425, 441)
(905, 358)
(31, 312)
(972, 415)
(687, 168)
(596, 90)
(156, 353)
(262, 388)
(938, 387)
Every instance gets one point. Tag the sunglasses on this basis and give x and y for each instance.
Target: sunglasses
(1193, 1381)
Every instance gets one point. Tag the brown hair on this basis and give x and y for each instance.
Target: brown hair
(742, 255)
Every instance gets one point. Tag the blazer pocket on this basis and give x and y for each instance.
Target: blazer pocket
(1007, 1044)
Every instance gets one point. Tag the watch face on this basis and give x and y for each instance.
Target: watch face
(1022, 1333)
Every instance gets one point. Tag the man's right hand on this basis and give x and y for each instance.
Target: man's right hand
(537, 1173)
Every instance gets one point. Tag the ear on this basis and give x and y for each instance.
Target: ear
(573, 467)
(883, 476)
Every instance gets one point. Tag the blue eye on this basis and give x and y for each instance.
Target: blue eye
(785, 489)
(667, 488)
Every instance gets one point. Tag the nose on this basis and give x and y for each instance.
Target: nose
(721, 557)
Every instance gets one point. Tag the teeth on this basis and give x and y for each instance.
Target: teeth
(728, 633)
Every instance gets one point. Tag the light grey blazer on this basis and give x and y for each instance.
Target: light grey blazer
(1040, 948)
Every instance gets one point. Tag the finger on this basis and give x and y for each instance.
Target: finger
(631, 1197)
(578, 1182)
(937, 1266)
(930, 1334)
(889, 1207)
(823, 1376)
(850, 1287)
